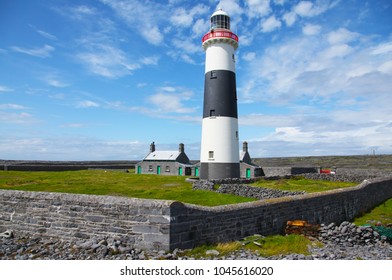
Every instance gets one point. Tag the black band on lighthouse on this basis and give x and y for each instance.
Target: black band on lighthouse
(220, 94)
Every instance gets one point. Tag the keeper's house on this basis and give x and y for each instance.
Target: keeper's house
(247, 168)
(167, 163)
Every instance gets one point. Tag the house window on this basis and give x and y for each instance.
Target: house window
(150, 168)
(211, 154)
(167, 169)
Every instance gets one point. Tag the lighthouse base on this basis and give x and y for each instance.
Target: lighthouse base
(215, 170)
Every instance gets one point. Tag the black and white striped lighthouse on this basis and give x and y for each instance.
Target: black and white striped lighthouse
(219, 144)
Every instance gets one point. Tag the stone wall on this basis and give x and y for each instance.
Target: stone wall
(145, 223)
(194, 225)
(166, 225)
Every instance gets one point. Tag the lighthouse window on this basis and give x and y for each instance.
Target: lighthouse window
(212, 113)
(211, 154)
(220, 21)
(213, 75)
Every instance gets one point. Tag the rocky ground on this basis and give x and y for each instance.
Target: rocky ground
(346, 241)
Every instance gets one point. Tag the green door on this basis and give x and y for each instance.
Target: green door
(158, 170)
(248, 173)
(196, 171)
(180, 171)
(139, 170)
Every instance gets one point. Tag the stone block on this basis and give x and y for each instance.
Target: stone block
(159, 219)
(95, 219)
(145, 229)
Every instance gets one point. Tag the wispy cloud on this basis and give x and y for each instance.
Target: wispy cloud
(12, 107)
(87, 104)
(171, 100)
(270, 24)
(43, 52)
(5, 89)
(141, 16)
(107, 61)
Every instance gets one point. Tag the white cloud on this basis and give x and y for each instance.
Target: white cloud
(152, 34)
(338, 51)
(307, 9)
(182, 17)
(200, 27)
(107, 61)
(232, 7)
(87, 104)
(12, 107)
(150, 60)
(47, 35)
(311, 29)
(258, 8)
(72, 125)
(5, 89)
(16, 118)
(249, 56)
(42, 52)
(141, 16)
(290, 18)
(170, 100)
(336, 95)
(382, 48)
(341, 36)
(270, 24)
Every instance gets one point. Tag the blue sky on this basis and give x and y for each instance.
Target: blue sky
(101, 80)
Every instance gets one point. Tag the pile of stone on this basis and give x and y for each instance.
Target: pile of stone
(238, 187)
(47, 248)
(348, 234)
(255, 192)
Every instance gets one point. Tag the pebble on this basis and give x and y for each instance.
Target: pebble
(354, 243)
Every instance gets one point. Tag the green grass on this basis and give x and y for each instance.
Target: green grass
(265, 246)
(99, 182)
(382, 213)
(302, 184)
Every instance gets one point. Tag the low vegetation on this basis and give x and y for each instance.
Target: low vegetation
(100, 182)
(264, 246)
(381, 213)
(302, 184)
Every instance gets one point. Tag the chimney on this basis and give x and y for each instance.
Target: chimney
(181, 148)
(152, 147)
(245, 147)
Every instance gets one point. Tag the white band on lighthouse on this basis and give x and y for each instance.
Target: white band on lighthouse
(226, 149)
(220, 56)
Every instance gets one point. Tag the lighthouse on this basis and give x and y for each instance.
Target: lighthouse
(219, 144)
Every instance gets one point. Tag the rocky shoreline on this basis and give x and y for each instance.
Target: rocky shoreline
(340, 242)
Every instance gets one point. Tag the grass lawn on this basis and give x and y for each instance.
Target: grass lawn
(115, 183)
(265, 246)
(381, 213)
(302, 184)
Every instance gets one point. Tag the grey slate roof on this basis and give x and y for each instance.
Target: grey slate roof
(163, 155)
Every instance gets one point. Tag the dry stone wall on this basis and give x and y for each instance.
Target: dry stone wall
(166, 225)
(145, 223)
